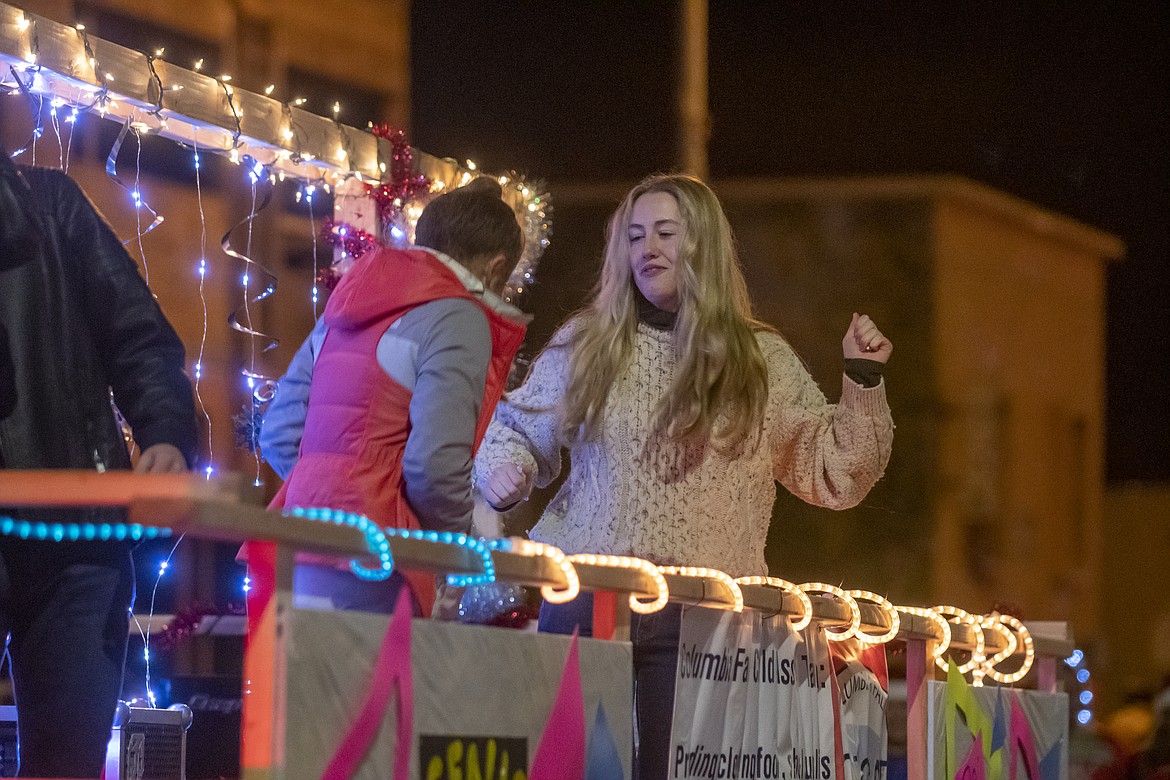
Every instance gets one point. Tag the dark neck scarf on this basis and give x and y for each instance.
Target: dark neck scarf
(651, 315)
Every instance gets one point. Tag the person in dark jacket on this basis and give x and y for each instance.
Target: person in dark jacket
(77, 323)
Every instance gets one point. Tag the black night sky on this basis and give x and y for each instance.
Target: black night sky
(1064, 105)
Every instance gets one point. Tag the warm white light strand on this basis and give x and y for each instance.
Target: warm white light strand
(557, 556)
(854, 610)
(626, 562)
(1024, 637)
(943, 624)
(806, 614)
(886, 606)
(977, 654)
(701, 572)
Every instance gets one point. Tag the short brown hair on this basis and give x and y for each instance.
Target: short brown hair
(471, 224)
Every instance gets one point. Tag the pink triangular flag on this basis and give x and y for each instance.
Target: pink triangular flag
(974, 767)
(561, 753)
(1021, 742)
(392, 666)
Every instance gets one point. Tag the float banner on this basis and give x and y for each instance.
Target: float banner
(753, 700)
(995, 732)
(483, 698)
(862, 700)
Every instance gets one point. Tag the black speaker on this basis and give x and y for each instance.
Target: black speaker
(148, 744)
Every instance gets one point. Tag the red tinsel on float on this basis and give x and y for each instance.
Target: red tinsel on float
(186, 622)
(354, 241)
(405, 185)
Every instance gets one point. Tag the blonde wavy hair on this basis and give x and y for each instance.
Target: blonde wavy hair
(720, 372)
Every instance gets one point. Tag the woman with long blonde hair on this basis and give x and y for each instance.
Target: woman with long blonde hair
(680, 412)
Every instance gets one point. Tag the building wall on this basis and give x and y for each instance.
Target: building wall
(1134, 651)
(1019, 338)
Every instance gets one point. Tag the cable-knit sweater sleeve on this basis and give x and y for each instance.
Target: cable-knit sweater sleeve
(826, 454)
(524, 430)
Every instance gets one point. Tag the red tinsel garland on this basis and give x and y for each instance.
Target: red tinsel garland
(404, 185)
(187, 620)
(354, 241)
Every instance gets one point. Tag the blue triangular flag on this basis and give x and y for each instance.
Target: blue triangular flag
(999, 728)
(602, 761)
(1050, 765)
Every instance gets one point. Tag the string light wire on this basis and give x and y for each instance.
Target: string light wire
(626, 562)
(944, 626)
(209, 469)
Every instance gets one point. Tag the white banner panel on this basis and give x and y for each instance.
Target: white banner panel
(753, 700)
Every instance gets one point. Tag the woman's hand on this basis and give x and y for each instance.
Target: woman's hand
(506, 486)
(161, 459)
(864, 340)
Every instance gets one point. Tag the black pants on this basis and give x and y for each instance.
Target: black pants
(66, 605)
(655, 641)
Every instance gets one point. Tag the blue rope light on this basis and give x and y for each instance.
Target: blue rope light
(377, 539)
(80, 532)
(475, 545)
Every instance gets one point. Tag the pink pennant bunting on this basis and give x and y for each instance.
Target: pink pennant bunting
(974, 767)
(1022, 741)
(392, 667)
(561, 753)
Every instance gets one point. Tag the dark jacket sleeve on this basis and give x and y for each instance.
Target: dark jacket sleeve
(140, 352)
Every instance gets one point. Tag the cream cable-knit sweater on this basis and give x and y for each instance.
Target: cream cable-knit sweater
(630, 492)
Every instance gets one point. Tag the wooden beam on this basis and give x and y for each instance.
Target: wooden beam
(74, 488)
